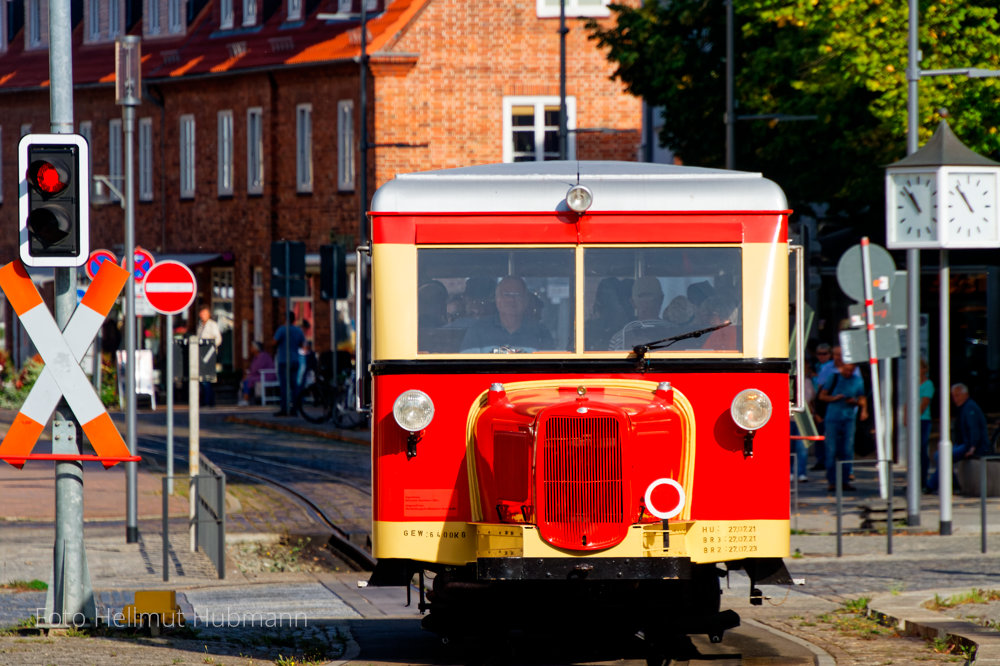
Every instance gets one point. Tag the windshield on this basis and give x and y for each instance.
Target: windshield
(515, 300)
(495, 301)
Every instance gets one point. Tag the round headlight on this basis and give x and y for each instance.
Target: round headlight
(579, 199)
(413, 410)
(751, 409)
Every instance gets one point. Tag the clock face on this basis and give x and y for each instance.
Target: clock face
(971, 213)
(913, 213)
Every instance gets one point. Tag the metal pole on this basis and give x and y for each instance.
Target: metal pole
(70, 597)
(913, 288)
(880, 442)
(839, 476)
(287, 400)
(170, 404)
(167, 481)
(362, 335)
(944, 448)
(563, 133)
(131, 468)
(194, 443)
(730, 96)
(888, 522)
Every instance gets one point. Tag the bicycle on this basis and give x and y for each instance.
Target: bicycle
(323, 401)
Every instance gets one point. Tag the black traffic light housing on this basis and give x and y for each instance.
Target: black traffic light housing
(332, 272)
(54, 199)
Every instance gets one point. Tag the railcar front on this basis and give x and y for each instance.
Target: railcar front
(580, 390)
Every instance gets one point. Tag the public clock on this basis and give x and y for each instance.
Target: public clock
(970, 214)
(912, 209)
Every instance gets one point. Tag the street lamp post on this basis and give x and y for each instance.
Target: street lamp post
(128, 79)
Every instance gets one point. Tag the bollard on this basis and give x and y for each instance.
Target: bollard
(983, 489)
(839, 472)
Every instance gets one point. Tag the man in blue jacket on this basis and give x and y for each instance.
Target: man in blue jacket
(844, 395)
(969, 433)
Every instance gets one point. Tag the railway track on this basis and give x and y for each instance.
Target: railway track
(340, 540)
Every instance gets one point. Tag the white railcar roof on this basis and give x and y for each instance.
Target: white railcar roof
(542, 187)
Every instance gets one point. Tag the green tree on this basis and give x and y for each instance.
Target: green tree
(842, 61)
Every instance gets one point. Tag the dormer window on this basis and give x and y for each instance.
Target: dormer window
(226, 14)
(249, 12)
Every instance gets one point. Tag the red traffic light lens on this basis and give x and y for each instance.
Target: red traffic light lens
(48, 178)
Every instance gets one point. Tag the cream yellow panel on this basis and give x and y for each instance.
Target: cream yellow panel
(765, 300)
(394, 299)
(461, 543)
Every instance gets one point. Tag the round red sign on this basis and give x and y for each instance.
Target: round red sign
(96, 258)
(170, 287)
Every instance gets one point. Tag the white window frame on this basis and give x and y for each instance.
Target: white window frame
(187, 156)
(175, 16)
(550, 8)
(153, 17)
(255, 150)
(226, 14)
(303, 148)
(34, 30)
(145, 159)
(539, 104)
(249, 13)
(346, 170)
(116, 170)
(114, 19)
(294, 9)
(225, 175)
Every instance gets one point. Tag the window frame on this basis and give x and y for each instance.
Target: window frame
(224, 175)
(255, 150)
(175, 16)
(346, 167)
(116, 161)
(293, 10)
(227, 14)
(35, 29)
(186, 164)
(303, 149)
(249, 13)
(539, 103)
(153, 17)
(145, 159)
(114, 19)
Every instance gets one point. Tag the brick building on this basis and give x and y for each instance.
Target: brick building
(249, 128)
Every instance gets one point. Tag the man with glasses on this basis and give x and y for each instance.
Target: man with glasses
(512, 328)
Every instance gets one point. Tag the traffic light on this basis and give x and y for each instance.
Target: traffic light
(54, 199)
(332, 272)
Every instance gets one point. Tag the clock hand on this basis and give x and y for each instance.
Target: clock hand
(964, 198)
(912, 199)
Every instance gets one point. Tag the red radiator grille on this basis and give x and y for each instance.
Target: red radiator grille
(580, 479)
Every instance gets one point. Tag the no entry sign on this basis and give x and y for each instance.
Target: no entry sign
(170, 287)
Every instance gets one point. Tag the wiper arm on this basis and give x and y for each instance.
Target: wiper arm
(640, 350)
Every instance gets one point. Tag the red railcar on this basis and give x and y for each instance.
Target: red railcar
(580, 391)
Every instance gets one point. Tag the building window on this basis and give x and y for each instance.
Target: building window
(93, 20)
(345, 145)
(87, 132)
(187, 156)
(175, 21)
(114, 19)
(294, 10)
(249, 12)
(153, 18)
(226, 14)
(303, 148)
(255, 151)
(531, 128)
(115, 171)
(145, 159)
(596, 8)
(225, 153)
(34, 23)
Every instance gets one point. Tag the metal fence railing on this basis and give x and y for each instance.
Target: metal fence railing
(208, 491)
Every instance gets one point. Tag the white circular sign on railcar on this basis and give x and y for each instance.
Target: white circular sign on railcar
(681, 498)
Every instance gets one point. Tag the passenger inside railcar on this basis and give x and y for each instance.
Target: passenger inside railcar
(516, 326)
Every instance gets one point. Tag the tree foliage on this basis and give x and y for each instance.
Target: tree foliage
(843, 62)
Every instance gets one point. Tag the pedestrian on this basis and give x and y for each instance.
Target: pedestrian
(969, 436)
(844, 395)
(259, 360)
(926, 393)
(208, 331)
(288, 339)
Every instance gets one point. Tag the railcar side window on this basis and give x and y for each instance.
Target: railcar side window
(500, 301)
(636, 296)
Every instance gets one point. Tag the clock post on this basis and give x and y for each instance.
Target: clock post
(943, 196)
